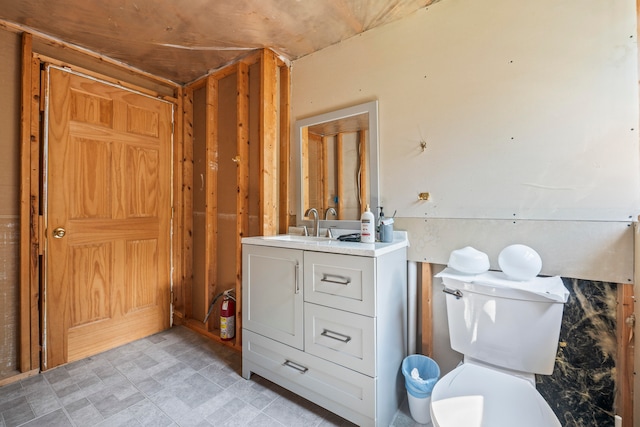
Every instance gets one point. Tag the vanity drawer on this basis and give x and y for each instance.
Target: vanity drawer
(344, 282)
(341, 337)
(338, 389)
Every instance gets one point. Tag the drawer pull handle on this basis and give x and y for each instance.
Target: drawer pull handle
(295, 366)
(297, 289)
(336, 336)
(340, 280)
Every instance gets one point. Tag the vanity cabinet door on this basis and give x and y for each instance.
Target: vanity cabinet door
(272, 293)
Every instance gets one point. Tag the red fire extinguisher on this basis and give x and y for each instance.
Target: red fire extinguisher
(227, 314)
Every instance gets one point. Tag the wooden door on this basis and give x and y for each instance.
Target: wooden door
(108, 216)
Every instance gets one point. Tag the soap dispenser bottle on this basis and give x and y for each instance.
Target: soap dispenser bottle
(367, 227)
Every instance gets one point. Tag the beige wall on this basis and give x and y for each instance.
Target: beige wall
(9, 200)
(530, 115)
(9, 124)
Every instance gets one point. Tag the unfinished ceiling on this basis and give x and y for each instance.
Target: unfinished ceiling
(182, 40)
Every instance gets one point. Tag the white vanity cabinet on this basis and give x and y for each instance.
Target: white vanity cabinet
(328, 322)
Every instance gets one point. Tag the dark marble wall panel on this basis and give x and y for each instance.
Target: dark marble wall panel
(581, 389)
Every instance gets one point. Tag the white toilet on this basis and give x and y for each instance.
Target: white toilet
(507, 331)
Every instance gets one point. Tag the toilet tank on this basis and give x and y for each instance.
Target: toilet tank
(510, 327)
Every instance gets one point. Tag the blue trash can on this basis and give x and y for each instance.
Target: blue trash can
(420, 386)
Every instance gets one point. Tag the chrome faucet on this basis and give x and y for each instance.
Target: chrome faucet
(330, 210)
(316, 220)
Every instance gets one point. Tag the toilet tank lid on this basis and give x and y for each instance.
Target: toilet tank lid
(545, 288)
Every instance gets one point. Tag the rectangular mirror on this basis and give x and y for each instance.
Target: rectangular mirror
(337, 165)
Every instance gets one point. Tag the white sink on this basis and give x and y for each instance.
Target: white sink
(296, 238)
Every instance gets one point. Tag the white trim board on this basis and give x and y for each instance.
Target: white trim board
(592, 250)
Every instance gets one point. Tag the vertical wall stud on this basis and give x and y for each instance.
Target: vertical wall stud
(425, 278)
(268, 144)
(211, 179)
(177, 222)
(242, 198)
(624, 362)
(187, 195)
(285, 144)
(364, 171)
(29, 202)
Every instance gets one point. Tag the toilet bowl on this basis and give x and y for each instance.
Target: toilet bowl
(477, 396)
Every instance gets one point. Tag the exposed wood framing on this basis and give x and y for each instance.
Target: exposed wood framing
(425, 279)
(177, 293)
(187, 197)
(268, 144)
(98, 75)
(41, 41)
(321, 178)
(269, 171)
(38, 83)
(304, 166)
(325, 175)
(188, 192)
(200, 83)
(242, 198)
(636, 258)
(624, 363)
(29, 351)
(364, 168)
(211, 179)
(274, 185)
(285, 144)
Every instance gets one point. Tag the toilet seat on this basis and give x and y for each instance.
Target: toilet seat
(477, 396)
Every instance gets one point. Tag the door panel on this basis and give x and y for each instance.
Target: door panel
(109, 188)
(91, 287)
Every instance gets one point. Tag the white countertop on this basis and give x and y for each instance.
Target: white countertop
(400, 240)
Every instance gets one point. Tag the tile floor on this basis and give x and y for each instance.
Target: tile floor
(174, 378)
